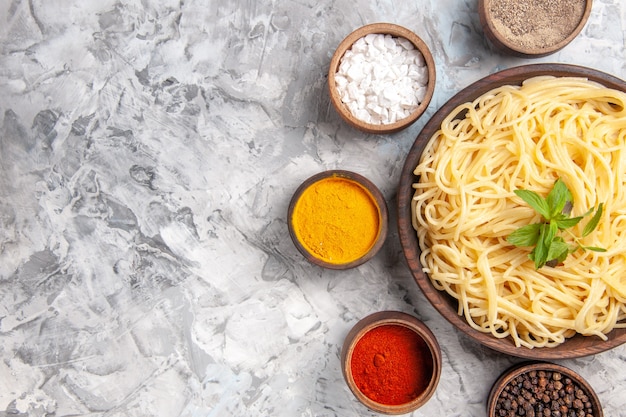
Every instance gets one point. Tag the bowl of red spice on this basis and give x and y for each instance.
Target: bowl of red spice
(338, 219)
(533, 28)
(391, 362)
(537, 389)
(381, 78)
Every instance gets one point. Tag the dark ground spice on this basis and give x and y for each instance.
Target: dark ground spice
(536, 24)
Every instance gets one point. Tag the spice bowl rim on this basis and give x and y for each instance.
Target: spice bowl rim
(523, 367)
(378, 199)
(511, 48)
(385, 29)
(382, 318)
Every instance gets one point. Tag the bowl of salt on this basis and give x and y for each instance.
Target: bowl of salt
(381, 78)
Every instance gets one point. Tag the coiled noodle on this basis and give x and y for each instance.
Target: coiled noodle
(464, 207)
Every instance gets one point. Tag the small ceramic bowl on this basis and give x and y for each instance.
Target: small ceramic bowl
(541, 385)
(367, 356)
(517, 28)
(396, 32)
(362, 232)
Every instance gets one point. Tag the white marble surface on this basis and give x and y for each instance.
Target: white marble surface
(148, 152)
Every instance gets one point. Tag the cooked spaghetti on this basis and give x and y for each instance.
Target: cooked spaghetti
(464, 207)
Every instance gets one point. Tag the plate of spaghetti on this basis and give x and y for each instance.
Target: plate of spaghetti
(524, 128)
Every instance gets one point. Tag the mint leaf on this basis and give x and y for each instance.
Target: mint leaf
(558, 250)
(557, 198)
(550, 248)
(540, 253)
(553, 228)
(567, 223)
(525, 235)
(594, 248)
(535, 201)
(593, 223)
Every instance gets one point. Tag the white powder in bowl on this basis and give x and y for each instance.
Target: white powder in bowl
(382, 79)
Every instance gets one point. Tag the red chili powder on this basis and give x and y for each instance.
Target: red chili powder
(391, 364)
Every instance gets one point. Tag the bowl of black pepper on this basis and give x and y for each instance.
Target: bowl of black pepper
(542, 389)
(532, 28)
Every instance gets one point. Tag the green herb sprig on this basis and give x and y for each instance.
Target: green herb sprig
(549, 247)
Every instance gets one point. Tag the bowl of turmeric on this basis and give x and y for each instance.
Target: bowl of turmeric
(391, 362)
(337, 219)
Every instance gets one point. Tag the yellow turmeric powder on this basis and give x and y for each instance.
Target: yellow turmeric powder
(336, 220)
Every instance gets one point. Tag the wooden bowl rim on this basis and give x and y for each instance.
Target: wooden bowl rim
(502, 43)
(382, 318)
(513, 372)
(578, 345)
(373, 191)
(396, 31)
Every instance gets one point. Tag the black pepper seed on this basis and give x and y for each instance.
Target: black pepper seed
(543, 394)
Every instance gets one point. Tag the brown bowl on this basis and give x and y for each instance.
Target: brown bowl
(515, 36)
(368, 190)
(346, 44)
(576, 346)
(422, 339)
(526, 385)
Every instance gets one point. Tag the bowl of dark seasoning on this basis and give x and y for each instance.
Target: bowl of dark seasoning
(533, 28)
(542, 389)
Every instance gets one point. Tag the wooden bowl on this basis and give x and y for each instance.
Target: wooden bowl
(431, 359)
(528, 375)
(346, 44)
(496, 31)
(369, 190)
(576, 346)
